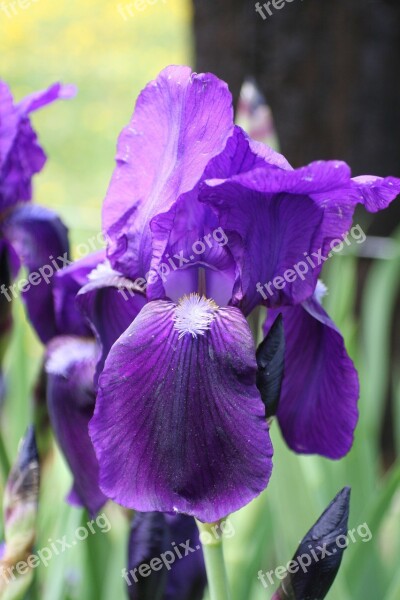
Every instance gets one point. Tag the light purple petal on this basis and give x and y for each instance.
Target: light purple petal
(376, 193)
(318, 407)
(181, 121)
(171, 436)
(8, 122)
(70, 364)
(37, 100)
(21, 156)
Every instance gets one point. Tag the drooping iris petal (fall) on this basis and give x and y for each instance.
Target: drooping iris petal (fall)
(179, 423)
(110, 302)
(318, 407)
(41, 241)
(70, 366)
(187, 579)
(154, 535)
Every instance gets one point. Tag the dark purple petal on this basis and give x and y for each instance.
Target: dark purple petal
(41, 241)
(67, 282)
(70, 365)
(110, 303)
(182, 576)
(148, 540)
(181, 121)
(170, 436)
(276, 231)
(318, 407)
(187, 578)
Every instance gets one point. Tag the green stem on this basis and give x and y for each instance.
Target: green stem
(214, 560)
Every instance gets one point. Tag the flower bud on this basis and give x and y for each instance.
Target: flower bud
(318, 557)
(270, 361)
(20, 513)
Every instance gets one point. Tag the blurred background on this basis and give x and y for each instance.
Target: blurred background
(330, 74)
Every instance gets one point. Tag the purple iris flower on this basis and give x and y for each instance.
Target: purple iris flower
(198, 217)
(29, 234)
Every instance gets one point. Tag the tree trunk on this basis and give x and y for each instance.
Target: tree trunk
(329, 71)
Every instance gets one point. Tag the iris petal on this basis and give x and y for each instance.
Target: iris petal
(318, 407)
(21, 156)
(179, 423)
(110, 303)
(154, 534)
(8, 122)
(67, 283)
(41, 241)
(181, 121)
(276, 231)
(70, 365)
(190, 224)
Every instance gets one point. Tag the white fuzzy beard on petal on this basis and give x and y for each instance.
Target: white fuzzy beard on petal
(102, 270)
(69, 351)
(194, 315)
(320, 291)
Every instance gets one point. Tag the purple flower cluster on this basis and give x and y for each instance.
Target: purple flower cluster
(28, 234)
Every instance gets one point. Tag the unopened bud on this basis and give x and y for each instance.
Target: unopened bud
(20, 513)
(316, 562)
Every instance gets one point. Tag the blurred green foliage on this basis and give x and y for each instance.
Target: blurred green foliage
(88, 43)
